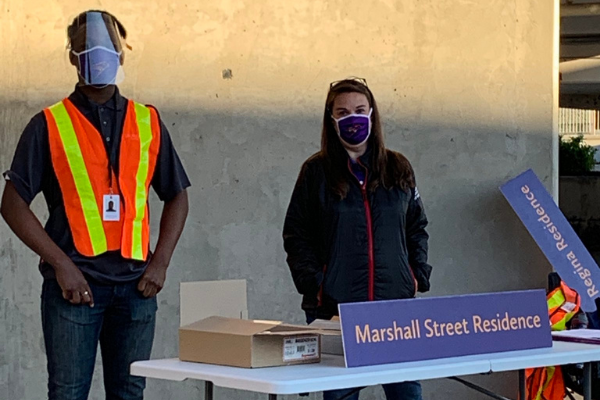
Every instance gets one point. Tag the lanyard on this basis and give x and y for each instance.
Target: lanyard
(110, 176)
(108, 151)
(112, 117)
(110, 167)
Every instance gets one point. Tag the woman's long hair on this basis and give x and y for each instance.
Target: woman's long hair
(388, 168)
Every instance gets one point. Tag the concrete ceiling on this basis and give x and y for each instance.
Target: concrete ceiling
(580, 46)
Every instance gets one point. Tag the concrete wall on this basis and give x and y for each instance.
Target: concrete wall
(465, 90)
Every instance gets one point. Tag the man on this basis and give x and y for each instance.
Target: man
(94, 156)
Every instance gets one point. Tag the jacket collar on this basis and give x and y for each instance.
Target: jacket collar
(365, 159)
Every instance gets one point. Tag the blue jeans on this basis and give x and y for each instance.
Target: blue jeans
(122, 321)
(393, 391)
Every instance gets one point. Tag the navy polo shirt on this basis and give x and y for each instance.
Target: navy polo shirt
(32, 172)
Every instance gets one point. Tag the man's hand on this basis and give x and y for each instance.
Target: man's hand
(28, 228)
(171, 225)
(74, 286)
(153, 279)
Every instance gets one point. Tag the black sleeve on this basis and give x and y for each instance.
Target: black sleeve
(31, 163)
(300, 235)
(169, 176)
(416, 238)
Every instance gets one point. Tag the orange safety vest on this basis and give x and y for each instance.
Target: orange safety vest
(548, 383)
(545, 383)
(563, 304)
(81, 165)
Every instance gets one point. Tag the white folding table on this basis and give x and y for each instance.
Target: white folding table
(331, 373)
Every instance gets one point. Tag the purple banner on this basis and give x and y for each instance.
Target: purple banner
(384, 332)
(554, 236)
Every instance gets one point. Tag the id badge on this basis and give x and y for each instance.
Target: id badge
(112, 208)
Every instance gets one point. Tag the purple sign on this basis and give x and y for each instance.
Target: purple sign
(384, 332)
(554, 236)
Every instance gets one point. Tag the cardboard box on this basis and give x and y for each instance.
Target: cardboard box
(331, 342)
(248, 343)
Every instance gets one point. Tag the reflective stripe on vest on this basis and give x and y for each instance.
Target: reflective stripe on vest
(81, 166)
(141, 160)
(83, 185)
(546, 383)
(141, 196)
(563, 304)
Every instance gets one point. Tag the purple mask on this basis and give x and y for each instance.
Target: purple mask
(354, 129)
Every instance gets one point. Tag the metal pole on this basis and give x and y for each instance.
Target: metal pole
(208, 390)
(522, 386)
(587, 381)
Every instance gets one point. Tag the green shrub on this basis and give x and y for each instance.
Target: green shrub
(575, 157)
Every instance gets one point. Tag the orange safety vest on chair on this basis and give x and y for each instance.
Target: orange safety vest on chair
(82, 168)
(563, 304)
(548, 383)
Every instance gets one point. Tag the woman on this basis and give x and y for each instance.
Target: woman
(355, 226)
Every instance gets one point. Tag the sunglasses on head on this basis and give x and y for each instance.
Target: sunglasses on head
(362, 81)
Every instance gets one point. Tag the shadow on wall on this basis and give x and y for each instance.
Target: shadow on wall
(243, 167)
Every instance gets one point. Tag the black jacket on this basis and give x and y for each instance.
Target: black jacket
(368, 246)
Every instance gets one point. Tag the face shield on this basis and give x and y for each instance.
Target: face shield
(98, 48)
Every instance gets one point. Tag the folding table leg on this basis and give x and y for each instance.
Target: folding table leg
(587, 381)
(208, 390)
(522, 387)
